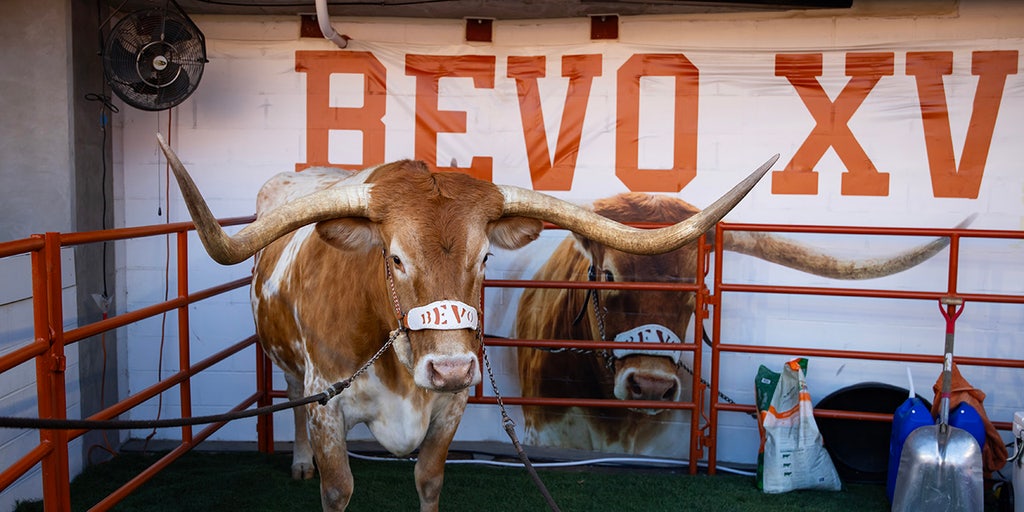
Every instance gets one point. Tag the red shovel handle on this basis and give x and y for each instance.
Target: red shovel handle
(953, 307)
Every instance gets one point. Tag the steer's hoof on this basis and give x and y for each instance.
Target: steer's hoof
(302, 470)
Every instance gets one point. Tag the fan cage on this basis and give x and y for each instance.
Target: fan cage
(154, 59)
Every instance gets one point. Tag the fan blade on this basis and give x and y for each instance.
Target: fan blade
(176, 91)
(121, 61)
(176, 31)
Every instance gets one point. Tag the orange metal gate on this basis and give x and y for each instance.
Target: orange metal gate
(50, 340)
(708, 305)
(47, 347)
(723, 289)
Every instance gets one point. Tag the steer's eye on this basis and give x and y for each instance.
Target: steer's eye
(396, 261)
(486, 256)
(608, 276)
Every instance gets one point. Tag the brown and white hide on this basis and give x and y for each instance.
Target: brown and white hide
(344, 258)
(323, 306)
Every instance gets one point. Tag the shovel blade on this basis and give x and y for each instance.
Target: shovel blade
(940, 470)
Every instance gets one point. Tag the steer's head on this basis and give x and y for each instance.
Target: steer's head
(642, 315)
(435, 231)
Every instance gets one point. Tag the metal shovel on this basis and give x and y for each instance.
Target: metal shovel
(940, 466)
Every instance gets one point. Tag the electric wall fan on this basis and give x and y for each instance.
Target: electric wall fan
(154, 57)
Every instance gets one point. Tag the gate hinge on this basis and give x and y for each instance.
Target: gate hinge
(704, 441)
(708, 300)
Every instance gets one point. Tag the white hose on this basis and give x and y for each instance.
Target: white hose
(564, 464)
(324, 19)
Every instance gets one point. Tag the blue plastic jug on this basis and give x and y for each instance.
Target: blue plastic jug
(967, 418)
(910, 415)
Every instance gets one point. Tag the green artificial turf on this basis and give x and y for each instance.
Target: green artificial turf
(259, 482)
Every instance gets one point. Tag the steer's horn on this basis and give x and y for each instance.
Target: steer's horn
(801, 257)
(227, 250)
(527, 203)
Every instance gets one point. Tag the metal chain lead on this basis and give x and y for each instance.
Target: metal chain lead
(510, 429)
(507, 422)
(340, 386)
(505, 418)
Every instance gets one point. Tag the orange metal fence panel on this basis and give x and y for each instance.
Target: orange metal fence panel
(50, 338)
(694, 405)
(705, 436)
(723, 289)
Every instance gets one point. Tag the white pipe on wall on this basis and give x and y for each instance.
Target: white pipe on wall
(324, 19)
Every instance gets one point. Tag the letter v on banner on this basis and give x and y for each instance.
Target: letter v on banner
(991, 67)
(545, 173)
(831, 127)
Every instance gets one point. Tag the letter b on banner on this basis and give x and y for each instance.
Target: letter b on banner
(321, 117)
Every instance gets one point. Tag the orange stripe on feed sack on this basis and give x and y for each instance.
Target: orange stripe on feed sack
(784, 414)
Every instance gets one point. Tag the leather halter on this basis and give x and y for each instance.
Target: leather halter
(592, 277)
(609, 356)
(399, 314)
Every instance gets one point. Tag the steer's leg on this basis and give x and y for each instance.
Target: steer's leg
(302, 454)
(327, 433)
(434, 452)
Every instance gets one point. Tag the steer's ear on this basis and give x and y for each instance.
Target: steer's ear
(514, 232)
(350, 233)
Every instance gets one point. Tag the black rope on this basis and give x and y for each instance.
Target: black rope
(71, 424)
(105, 100)
(322, 398)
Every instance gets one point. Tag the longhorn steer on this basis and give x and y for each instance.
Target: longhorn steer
(637, 316)
(342, 256)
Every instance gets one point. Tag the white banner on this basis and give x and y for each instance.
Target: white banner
(905, 135)
(885, 130)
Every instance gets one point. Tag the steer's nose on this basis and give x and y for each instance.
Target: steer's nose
(451, 373)
(645, 386)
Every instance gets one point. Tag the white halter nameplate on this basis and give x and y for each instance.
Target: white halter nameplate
(650, 333)
(442, 315)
